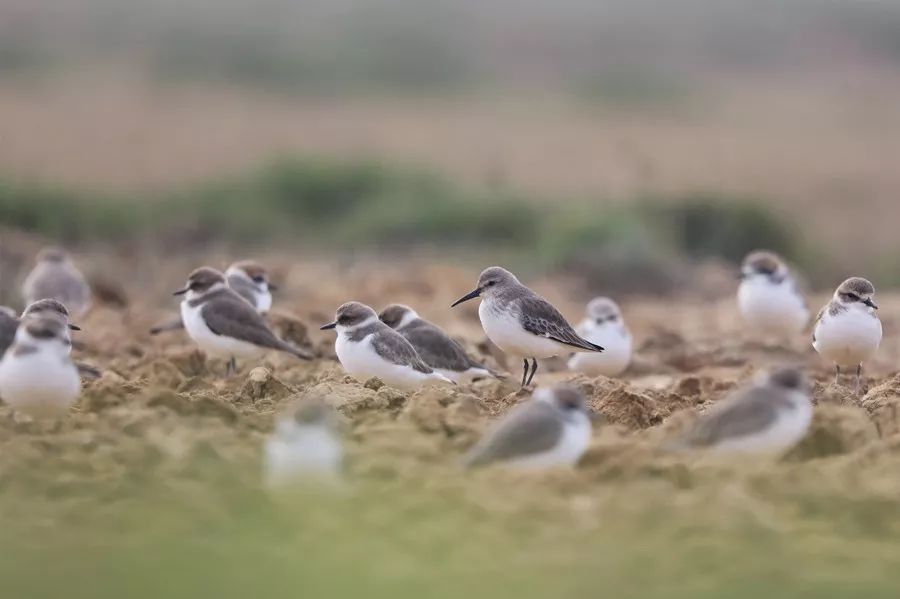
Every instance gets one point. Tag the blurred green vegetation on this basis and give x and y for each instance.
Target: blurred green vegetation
(367, 205)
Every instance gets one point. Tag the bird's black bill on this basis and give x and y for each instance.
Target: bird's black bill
(328, 326)
(466, 298)
(182, 291)
(74, 327)
(273, 287)
(871, 304)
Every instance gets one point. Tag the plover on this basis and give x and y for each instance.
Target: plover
(434, 346)
(366, 348)
(848, 331)
(249, 280)
(552, 429)
(522, 323)
(37, 377)
(768, 417)
(56, 277)
(305, 447)
(225, 325)
(605, 327)
(50, 307)
(769, 299)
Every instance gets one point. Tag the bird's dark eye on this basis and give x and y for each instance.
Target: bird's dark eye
(852, 297)
(259, 279)
(490, 283)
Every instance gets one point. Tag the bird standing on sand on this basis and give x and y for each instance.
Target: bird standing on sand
(433, 345)
(769, 417)
(769, 298)
(223, 324)
(552, 429)
(366, 348)
(522, 323)
(55, 276)
(848, 331)
(604, 326)
(37, 377)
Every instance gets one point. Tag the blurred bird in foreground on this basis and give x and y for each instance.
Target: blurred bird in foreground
(769, 298)
(552, 429)
(768, 417)
(306, 446)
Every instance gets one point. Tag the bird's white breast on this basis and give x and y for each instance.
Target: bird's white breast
(362, 362)
(617, 344)
(506, 332)
(215, 345)
(772, 308)
(848, 338)
(42, 384)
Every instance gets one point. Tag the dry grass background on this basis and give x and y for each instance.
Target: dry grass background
(822, 146)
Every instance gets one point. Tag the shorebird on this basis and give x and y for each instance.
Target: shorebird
(37, 377)
(552, 429)
(605, 327)
(305, 447)
(769, 298)
(848, 331)
(768, 417)
(433, 345)
(248, 279)
(56, 277)
(251, 281)
(223, 324)
(522, 323)
(366, 348)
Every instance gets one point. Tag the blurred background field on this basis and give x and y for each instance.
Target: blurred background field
(466, 122)
(619, 146)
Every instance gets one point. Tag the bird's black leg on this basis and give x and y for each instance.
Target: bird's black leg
(533, 370)
(525, 372)
(858, 378)
(837, 375)
(231, 369)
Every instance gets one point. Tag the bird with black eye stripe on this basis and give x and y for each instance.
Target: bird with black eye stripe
(522, 323)
(604, 326)
(848, 331)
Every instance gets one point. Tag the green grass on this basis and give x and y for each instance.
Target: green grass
(370, 205)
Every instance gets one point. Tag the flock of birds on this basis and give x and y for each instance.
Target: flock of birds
(224, 314)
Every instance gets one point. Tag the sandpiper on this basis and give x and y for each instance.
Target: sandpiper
(251, 281)
(55, 276)
(366, 348)
(434, 346)
(305, 447)
(552, 429)
(37, 377)
(769, 298)
(248, 279)
(848, 331)
(768, 417)
(522, 323)
(223, 324)
(605, 327)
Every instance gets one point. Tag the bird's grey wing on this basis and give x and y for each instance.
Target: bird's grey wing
(233, 317)
(540, 318)
(393, 347)
(748, 414)
(8, 327)
(437, 349)
(243, 288)
(819, 317)
(532, 428)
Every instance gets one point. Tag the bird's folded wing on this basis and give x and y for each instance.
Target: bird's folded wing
(540, 318)
(394, 348)
(529, 429)
(437, 349)
(749, 414)
(233, 317)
